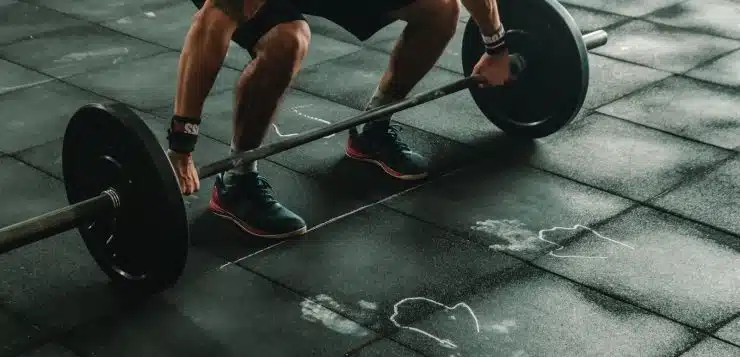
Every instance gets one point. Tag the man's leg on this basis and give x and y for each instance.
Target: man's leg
(202, 55)
(430, 26)
(277, 38)
(241, 194)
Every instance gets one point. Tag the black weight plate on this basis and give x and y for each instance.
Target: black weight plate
(143, 247)
(550, 91)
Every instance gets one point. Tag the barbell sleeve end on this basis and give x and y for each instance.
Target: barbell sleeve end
(61, 220)
(595, 39)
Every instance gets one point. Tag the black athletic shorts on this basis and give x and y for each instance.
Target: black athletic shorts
(362, 18)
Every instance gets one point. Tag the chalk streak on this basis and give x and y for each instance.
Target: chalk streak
(541, 233)
(299, 113)
(444, 342)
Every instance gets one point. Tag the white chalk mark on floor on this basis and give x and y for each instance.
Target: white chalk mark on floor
(314, 311)
(504, 327)
(444, 342)
(27, 85)
(299, 113)
(79, 56)
(520, 238)
(367, 305)
(540, 235)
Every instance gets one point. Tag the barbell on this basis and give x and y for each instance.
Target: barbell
(125, 199)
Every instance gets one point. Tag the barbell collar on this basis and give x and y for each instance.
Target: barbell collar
(595, 39)
(61, 220)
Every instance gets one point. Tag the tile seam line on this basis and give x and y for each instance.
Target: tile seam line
(729, 151)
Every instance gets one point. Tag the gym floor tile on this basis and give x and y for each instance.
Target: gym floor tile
(682, 270)
(663, 47)
(33, 125)
(322, 26)
(589, 20)
(731, 331)
(166, 26)
(611, 79)
(712, 347)
(101, 11)
(627, 7)
(511, 209)
(75, 50)
(16, 336)
(724, 70)
(623, 157)
(14, 77)
(718, 17)
(379, 260)
(533, 313)
(20, 20)
(50, 350)
(29, 124)
(384, 348)
(229, 312)
(21, 183)
(145, 83)
(352, 79)
(712, 199)
(451, 58)
(705, 112)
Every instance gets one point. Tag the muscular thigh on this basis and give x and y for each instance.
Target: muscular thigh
(270, 14)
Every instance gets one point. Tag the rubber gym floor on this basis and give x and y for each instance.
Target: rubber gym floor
(617, 236)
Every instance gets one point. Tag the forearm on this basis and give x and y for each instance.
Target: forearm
(485, 15)
(201, 60)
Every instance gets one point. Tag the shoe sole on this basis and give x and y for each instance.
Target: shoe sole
(218, 211)
(352, 154)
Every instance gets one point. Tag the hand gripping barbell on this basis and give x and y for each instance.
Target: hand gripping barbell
(125, 199)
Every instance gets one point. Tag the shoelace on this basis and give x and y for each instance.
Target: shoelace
(255, 188)
(264, 190)
(391, 137)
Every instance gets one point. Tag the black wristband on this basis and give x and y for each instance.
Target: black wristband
(183, 134)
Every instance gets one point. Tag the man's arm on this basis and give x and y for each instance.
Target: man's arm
(485, 15)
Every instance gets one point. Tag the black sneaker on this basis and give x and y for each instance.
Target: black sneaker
(248, 202)
(383, 147)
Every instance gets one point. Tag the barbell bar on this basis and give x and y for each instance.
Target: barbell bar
(125, 198)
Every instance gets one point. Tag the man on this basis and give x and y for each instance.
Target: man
(277, 36)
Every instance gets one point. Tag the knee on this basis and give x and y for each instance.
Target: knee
(284, 47)
(213, 22)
